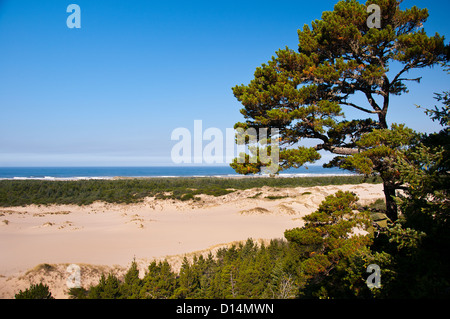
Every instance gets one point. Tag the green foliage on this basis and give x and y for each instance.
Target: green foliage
(189, 281)
(327, 241)
(422, 235)
(17, 193)
(416, 245)
(425, 170)
(78, 293)
(35, 291)
(275, 197)
(107, 288)
(131, 286)
(159, 282)
(242, 271)
(378, 205)
(380, 149)
(441, 114)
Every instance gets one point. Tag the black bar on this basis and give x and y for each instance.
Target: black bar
(200, 308)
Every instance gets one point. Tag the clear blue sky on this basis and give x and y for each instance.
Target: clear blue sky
(112, 92)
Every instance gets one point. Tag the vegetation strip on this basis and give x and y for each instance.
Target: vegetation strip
(85, 192)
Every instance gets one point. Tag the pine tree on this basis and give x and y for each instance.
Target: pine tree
(107, 288)
(328, 240)
(305, 92)
(159, 282)
(188, 281)
(282, 284)
(132, 285)
(35, 291)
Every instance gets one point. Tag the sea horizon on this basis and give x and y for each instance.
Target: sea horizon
(110, 172)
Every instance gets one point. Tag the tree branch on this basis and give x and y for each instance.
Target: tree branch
(415, 80)
(337, 150)
(405, 69)
(372, 102)
(360, 108)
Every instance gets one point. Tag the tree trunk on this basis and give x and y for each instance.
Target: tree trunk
(391, 205)
(388, 187)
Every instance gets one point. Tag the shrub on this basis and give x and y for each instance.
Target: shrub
(37, 291)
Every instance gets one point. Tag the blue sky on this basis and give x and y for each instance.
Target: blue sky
(111, 93)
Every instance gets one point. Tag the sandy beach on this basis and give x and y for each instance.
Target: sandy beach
(37, 243)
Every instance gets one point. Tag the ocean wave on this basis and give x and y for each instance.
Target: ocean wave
(52, 178)
(79, 178)
(316, 175)
(286, 175)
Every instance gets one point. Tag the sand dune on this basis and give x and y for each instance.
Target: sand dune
(37, 243)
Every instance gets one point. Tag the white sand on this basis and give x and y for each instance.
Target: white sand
(112, 234)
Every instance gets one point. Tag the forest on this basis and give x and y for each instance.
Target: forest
(132, 190)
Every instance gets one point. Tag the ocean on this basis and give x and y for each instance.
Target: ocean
(74, 173)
